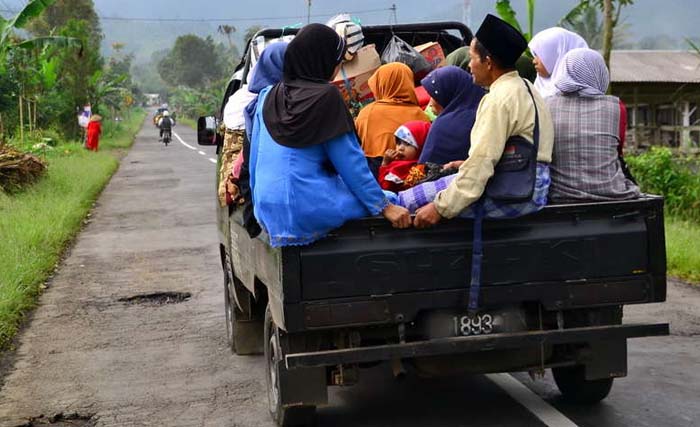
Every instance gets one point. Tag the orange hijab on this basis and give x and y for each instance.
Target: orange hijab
(396, 104)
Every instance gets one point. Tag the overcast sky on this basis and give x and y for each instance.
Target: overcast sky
(676, 18)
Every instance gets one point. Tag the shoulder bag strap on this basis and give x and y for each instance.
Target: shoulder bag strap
(536, 132)
(477, 240)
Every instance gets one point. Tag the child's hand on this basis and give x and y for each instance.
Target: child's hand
(455, 164)
(389, 156)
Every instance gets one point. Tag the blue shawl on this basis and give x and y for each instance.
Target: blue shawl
(267, 72)
(450, 136)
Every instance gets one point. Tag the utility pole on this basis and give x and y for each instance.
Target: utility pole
(393, 13)
(308, 11)
(467, 13)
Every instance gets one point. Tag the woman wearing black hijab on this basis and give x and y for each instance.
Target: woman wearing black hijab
(308, 173)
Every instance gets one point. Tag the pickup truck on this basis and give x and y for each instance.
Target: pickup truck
(553, 289)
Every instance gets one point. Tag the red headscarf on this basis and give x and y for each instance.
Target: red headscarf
(393, 175)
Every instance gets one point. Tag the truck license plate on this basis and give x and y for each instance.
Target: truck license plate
(480, 324)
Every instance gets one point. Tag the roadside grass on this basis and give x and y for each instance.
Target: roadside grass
(187, 121)
(37, 224)
(683, 249)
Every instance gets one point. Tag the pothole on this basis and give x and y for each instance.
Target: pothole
(157, 298)
(61, 420)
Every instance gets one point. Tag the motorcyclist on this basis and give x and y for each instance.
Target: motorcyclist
(165, 123)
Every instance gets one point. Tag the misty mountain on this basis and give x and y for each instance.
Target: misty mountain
(647, 23)
(644, 22)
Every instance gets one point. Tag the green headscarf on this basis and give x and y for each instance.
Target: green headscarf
(525, 68)
(459, 58)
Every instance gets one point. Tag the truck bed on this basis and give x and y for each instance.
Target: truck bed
(565, 256)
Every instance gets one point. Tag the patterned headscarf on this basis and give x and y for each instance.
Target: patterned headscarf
(550, 46)
(582, 71)
(413, 133)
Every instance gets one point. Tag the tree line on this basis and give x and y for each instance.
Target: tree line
(196, 69)
(52, 66)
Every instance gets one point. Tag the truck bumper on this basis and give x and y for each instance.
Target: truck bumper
(457, 345)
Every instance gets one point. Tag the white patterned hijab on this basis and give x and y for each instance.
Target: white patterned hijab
(550, 46)
(582, 71)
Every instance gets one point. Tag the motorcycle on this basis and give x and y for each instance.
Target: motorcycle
(167, 136)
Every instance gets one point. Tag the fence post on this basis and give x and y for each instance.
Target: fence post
(21, 119)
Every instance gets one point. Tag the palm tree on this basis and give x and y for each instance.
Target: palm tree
(227, 30)
(589, 26)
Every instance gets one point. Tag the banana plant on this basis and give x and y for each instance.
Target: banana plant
(611, 18)
(106, 91)
(505, 12)
(30, 11)
(8, 26)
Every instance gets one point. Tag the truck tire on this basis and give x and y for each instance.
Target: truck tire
(229, 308)
(572, 383)
(244, 336)
(283, 416)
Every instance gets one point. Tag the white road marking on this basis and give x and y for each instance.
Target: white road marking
(193, 148)
(183, 142)
(538, 407)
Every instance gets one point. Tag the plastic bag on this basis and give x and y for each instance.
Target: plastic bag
(399, 51)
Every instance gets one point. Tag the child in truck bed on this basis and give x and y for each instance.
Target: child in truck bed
(399, 164)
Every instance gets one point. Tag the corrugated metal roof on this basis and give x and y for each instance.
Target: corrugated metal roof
(654, 66)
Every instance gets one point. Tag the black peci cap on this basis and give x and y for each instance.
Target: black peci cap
(502, 40)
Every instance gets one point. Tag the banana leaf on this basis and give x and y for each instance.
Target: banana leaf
(505, 12)
(571, 17)
(31, 10)
(57, 41)
(530, 19)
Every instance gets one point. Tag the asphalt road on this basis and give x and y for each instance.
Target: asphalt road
(93, 353)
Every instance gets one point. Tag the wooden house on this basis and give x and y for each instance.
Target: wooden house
(662, 92)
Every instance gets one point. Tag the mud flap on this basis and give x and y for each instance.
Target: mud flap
(306, 386)
(609, 359)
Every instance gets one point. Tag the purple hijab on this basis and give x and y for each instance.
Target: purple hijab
(450, 135)
(267, 72)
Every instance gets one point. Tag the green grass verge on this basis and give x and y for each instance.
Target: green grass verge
(38, 223)
(683, 249)
(187, 122)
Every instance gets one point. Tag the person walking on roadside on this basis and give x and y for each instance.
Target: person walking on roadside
(94, 130)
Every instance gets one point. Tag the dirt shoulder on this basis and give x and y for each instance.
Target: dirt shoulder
(94, 350)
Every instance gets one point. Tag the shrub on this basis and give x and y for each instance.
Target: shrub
(659, 171)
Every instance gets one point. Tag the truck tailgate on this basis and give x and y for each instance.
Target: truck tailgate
(562, 243)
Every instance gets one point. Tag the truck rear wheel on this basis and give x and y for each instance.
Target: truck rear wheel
(572, 383)
(229, 308)
(244, 336)
(284, 416)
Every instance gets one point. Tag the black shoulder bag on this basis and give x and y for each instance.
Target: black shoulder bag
(513, 181)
